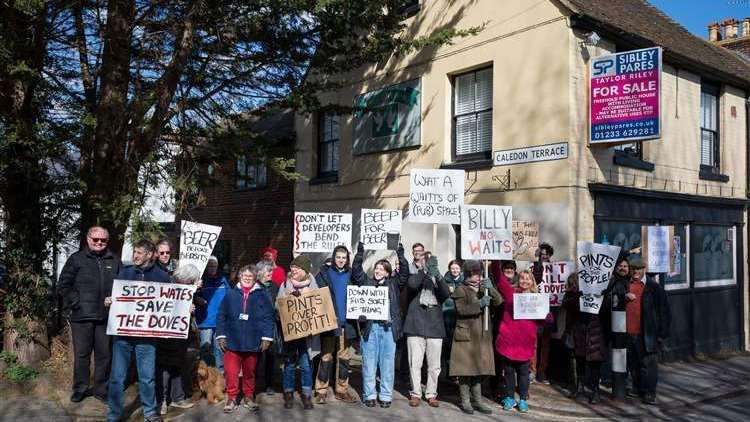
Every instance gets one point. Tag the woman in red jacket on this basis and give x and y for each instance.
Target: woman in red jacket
(516, 341)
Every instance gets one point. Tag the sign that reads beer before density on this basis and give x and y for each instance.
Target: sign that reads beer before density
(486, 232)
(371, 302)
(436, 196)
(308, 314)
(149, 309)
(321, 231)
(375, 226)
(625, 96)
(197, 242)
(550, 152)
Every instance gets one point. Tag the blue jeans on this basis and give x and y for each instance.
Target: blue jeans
(296, 356)
(145, 361)
(210, 351)
(378, 351)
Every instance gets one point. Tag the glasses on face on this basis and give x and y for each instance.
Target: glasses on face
(98, 239)
(164, 252)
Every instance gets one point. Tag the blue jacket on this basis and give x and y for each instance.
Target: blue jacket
(212, 291)
(245, 335)
(150, 272)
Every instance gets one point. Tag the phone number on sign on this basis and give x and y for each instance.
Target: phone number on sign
(625, 133)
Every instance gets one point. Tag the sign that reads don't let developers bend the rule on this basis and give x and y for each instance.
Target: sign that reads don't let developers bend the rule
(625, 93)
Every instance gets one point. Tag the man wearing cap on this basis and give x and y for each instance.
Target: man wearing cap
(648, 318)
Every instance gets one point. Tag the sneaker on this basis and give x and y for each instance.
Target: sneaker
(152, 418)
(270, 391)
(414, 401)
(230, 406)
(370, 403)
(649, 398)
(523, 407)
(182, 404)
(433, 402)
(385, 404)
(508, 403)
(164, 408)
(250, 404)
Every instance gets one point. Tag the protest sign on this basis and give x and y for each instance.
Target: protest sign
(372, 302)
(149, 309)
(436, 196)
(554, 276)
(486, 232)
(375, 226)
(595, 264)
(321, 231)
(305, 315)
(530, 306)
(525, 240)
(197, 242)
(625, 96)
(590, 303)
(658, 248)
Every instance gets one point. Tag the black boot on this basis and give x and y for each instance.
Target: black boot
(594, 398)
(306, 402)
(288, 400)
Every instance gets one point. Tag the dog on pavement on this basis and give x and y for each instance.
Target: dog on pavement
(211, 383)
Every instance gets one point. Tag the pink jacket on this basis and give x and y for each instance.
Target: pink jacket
(516, 339)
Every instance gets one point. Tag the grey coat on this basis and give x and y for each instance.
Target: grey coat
(425, 321)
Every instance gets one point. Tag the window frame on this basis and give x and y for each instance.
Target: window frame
(476, 156)
(257, 166)
(321, 143)
(724, 281)
(715, 91)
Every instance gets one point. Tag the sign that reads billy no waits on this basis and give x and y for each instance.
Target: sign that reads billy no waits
(197, 242)
(321, 231)
(436, 196)
(625, 96)
(486, 232)
(148, 309)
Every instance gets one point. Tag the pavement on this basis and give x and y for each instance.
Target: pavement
(708, 390)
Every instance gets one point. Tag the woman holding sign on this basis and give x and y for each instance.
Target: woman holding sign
(379, 337)
(516, 341)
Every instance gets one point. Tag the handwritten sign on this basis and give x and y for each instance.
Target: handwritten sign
(554, 276)
(658, 248)
(590, 304)
(148, 309)
(375, 226)
(436, 196)
(596, 262)
(305, 315)
(321, 231)
(530, 306)
(525, 240)
(372, 302)
(486, 232)
(197, 242)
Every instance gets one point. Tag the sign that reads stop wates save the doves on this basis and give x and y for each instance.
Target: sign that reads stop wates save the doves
(197, 242)
(388, 118)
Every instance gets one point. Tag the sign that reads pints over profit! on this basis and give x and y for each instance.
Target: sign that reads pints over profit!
(305, 315)
(595, 263)
(321, 231)
(148, 309)
(625, 96)
(372, 302)
(375, 226)
(197, 242)
(436, 196)
(486, 232)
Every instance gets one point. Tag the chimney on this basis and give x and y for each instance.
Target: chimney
(730, 28)
(745, 27)
(714, 31)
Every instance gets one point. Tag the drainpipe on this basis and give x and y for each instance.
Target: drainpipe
(747, 185)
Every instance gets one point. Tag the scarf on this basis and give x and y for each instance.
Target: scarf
(471, 284)
(299, 285)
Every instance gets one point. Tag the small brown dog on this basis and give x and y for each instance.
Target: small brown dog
(211, 383)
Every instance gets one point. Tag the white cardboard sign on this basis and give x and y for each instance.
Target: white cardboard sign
(375, 225)
(590, 303)
(436, 196)
(321, 231)
(595, 264)
(486, 232)
(372, 302)
(197, 242)
(530, 306)
(149, 309)
(659, 249)
(554, 276)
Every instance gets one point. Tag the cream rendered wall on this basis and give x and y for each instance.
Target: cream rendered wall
(527, 45)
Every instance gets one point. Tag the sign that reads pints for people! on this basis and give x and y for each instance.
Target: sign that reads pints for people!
(197, 242)
(436, 196)
(305, 315)
(486, 232)
(375, 226)
(595, 263)
(372, 302)
(148, 309)
(321, 231)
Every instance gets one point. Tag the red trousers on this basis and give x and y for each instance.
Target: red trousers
(233, 362)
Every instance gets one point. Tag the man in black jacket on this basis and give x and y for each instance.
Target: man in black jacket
(85, 281)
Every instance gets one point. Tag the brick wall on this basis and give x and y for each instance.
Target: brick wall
(250, 219)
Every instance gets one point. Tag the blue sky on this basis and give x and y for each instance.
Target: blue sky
(695, 15)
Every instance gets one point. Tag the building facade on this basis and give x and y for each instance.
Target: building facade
(523, 82)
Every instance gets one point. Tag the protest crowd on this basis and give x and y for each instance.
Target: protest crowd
(473, 323)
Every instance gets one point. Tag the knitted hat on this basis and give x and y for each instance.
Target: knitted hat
(471, 267)
(303, 263)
